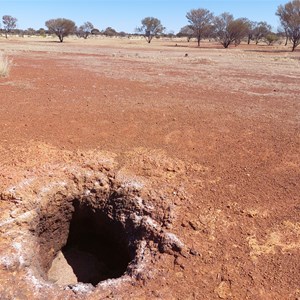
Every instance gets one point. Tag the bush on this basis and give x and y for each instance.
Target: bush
(5, 64)
(271, 38)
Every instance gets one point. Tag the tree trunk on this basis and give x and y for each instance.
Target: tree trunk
(6, 34)
(198, 39)
(225, 44)
(286, 40)
(61, 38)
(149, 38)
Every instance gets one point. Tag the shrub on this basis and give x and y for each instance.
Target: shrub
(271, 38)
(5, 64)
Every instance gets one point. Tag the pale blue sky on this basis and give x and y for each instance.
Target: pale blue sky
(125, 15)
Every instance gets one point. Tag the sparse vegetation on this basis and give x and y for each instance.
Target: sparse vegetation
(61, 27)
(151, 27)
(9, 23)
(5, 64)
(109, 31)
(289, 15)
(187, 32)
(84, 30)
(228, 30)
(271, 38)
(261, 31)
(200, 22)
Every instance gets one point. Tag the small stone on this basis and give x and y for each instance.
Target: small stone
(184, 254)
(179, 274)
(194, 225)
(193, 252)
(223, 290)
(180, 263)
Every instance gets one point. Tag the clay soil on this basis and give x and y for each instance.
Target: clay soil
(217, 131)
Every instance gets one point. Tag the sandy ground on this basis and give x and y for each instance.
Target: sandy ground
(218, 130)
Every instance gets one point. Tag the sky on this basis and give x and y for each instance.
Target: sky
(125, 15)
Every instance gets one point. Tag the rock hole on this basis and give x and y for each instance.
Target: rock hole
(87, 245)
(96, 248)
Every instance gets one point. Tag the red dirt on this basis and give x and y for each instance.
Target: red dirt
(220, 128)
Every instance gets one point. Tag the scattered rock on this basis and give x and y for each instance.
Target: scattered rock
(193, 252)
(194, 225)
(223, 290)
(180, 262)
(61, 272)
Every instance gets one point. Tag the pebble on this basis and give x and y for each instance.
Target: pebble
(193, 252)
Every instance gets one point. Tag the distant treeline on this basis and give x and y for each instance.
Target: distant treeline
(202, 24)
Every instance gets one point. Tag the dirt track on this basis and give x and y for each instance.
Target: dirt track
(216, 132)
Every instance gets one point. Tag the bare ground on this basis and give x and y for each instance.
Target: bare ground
(214, 134)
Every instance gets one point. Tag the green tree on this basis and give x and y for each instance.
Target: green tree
(9, 23)
(30, 31)
(85, 30)
(109, 31)
(271, 38)
(187, 32)
(95, 31)
(260, 31)
(289, 15)
(150, 28)
(200, 22)
(228, 31)
(41, 32)
(61, 27)
(250, 29)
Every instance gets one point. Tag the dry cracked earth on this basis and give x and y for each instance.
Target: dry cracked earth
(161, 171)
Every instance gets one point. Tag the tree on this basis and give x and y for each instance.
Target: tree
(228, 30)
(271, 38)
(150, 28)
(30, 31)
(95, 31)
(123, 34)
(19, 32)
(200, 22)
(109, 31)
(85, 30)
(250, 28)
(9, 23)
(187, 32)
(41, 32)
(289, 15)
(61, 27)
(283, 32)
(260, 31)
(169, 34)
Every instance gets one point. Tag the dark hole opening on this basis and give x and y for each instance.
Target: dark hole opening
(97, 247)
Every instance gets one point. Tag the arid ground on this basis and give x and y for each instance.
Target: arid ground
(208, 138)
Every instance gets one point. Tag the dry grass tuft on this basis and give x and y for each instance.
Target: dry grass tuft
(5, 65)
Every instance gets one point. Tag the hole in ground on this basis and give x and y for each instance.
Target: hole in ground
(92, 248)
(96, 249)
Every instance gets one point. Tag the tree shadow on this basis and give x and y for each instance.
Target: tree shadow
(267, 51)
(48, 42)
(191, 46)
